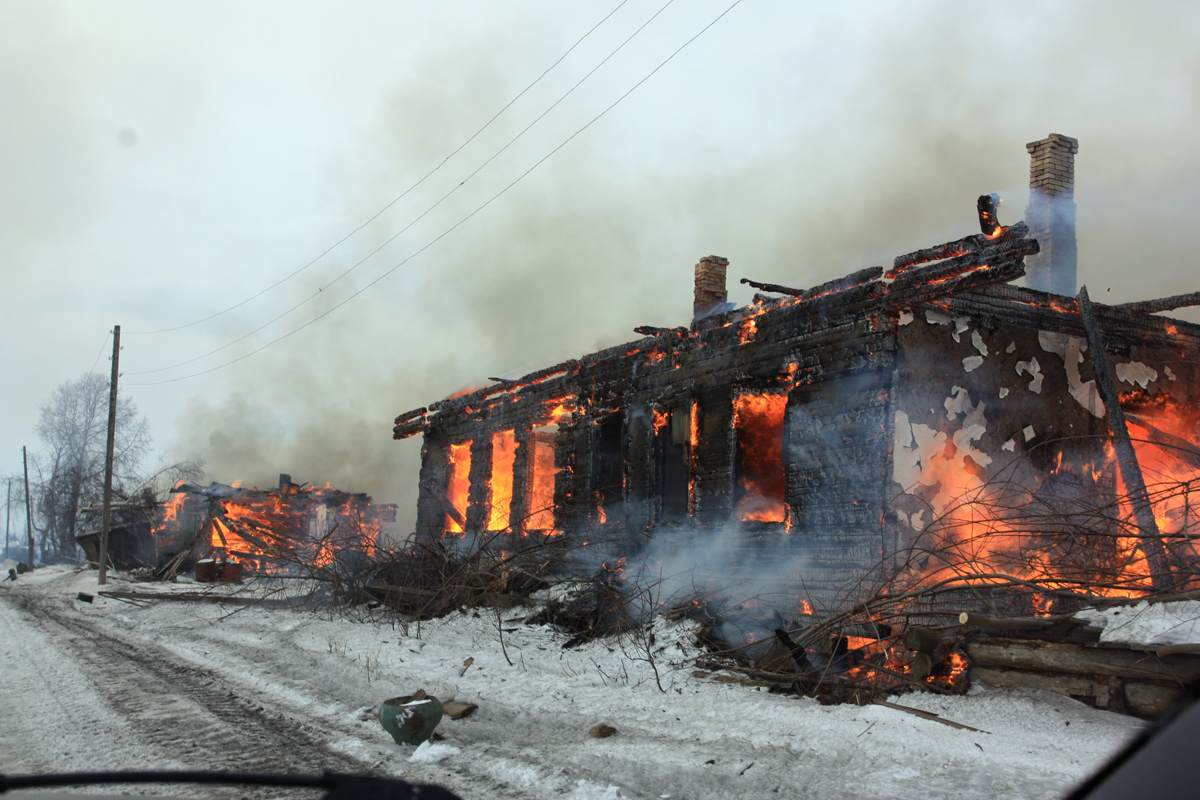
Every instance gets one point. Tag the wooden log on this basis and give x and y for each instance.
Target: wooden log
(408, 416)
(410, 429)
(998, 250)
(1131, 472)
(1088, 689)
(1061, 628)
(185, 597)
(929, 715)
(986, 207)
(967, 244)
(1056, 657)
(856, 278)
(926, 640)
(1180, 447)
(1162, 303)
(1151, 699)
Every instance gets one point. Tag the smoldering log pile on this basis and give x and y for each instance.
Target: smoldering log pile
(844, 661)
(1064, 654)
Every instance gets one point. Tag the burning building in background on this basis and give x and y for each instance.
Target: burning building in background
(925, 422)
(285, 530)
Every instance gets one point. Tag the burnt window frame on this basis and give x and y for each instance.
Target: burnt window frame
(776, 385)
(609, 468)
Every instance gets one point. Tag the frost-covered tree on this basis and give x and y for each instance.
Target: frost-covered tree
(73, 428)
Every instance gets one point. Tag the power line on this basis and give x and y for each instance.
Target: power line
(424, 213)
(398, 197)
(464, 219)
(99, 352)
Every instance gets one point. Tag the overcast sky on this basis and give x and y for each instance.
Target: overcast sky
(163, 161)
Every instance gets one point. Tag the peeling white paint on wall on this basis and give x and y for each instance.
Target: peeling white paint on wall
(1136, 372)
(1035, 373)
(1003, 392)
(1071, 349)
(961, 325)
(974, 424)
(972, 363)
(957, 402)
(906, 316)
(936, 317)
(916, 445)
(1170, 375)
(1009, 446)
(978, 343)
(1028, 432)
(1012, 347)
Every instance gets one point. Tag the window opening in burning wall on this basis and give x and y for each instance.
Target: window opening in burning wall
(671, 429)
(540, 484)
(608, 466)
(504, 457)
(758, 423)
(458, 486)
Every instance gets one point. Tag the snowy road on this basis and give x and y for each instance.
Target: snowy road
(177, 685)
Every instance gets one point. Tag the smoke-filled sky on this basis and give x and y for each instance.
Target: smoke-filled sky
(163, 161)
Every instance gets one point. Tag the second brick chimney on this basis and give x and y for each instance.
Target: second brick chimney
(710, 294)
(1051, 214)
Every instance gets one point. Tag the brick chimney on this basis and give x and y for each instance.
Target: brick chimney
(1051, 214)
(710, 295)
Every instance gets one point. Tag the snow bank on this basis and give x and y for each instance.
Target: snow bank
(1148, 623)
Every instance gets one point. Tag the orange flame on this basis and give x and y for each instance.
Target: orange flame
(504, 458)
(659, 419)
(693, 455)
(458, 486)
(758, 422)
(542, 473)
(747, 331)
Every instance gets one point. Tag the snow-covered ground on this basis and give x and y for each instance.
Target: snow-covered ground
(177, 685)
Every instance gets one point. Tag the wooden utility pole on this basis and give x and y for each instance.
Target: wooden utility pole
(28, 507)
(1135, 484)
(7, 517)
(106, 518)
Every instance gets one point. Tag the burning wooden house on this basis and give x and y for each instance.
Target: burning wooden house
(924, 420)
(287, 529)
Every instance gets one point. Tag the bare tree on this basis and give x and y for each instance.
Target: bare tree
(71, 468)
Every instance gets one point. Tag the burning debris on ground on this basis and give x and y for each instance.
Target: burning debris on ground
(830, 468)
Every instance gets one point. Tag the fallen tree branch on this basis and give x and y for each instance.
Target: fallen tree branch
(929, 715)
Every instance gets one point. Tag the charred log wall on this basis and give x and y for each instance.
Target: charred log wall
(622, 474)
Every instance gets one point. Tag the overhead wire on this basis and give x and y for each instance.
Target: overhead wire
(463, 219)
(430, 173)
(100, 352)
(454, 189)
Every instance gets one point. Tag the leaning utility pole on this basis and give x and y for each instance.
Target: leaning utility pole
(106, 519)
(28, 512)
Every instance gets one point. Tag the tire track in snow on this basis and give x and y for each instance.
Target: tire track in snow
(204, 720)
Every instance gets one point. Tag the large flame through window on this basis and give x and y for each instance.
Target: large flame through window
(758, 421)
(458, 486)
(504, 456)
(542, 472)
